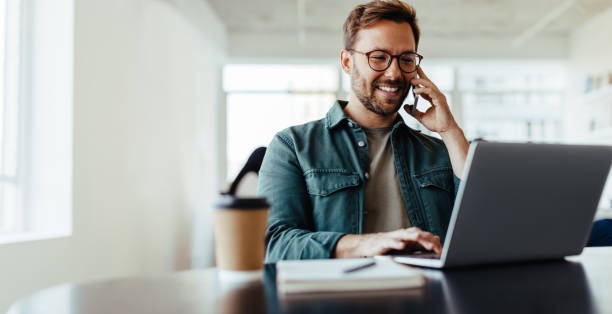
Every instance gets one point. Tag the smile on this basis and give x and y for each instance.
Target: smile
(388, 89)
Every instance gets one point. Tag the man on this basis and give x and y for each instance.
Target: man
(359, 182)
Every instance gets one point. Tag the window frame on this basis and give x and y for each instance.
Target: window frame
(44, 84)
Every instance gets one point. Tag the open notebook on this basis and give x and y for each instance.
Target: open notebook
(329, 275)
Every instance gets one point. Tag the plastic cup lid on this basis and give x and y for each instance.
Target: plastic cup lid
(226, 201)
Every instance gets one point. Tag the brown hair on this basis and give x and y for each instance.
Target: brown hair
(368, 14)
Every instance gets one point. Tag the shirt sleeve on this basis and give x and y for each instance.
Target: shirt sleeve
(290, 232)
(456, 182)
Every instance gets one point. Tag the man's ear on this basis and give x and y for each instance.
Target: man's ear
(346, 61)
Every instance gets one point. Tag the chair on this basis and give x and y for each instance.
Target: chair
(245, 183)
(601, 234)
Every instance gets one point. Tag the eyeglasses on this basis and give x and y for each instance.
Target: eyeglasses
(380, 60)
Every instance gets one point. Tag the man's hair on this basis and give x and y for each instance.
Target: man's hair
(368, 14)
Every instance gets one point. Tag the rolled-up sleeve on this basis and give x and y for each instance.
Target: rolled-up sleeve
(456, 183)
(290, 233)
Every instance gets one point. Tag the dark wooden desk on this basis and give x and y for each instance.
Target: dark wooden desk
(582, 284)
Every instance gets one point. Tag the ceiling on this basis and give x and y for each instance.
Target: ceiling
(311, 29)
(437, 17)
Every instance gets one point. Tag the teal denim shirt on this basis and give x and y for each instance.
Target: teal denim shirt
(313, 175)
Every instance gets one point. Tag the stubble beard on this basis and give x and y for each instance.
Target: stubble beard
(370, 102)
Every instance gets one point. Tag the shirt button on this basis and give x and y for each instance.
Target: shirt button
(367, 175)
(350, 124)
(361, 143)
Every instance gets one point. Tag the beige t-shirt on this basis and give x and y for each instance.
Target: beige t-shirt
(384, 207)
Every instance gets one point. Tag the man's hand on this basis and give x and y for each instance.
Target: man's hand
(366, 245)
(437, 118)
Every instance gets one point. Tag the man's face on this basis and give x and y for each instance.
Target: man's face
(382, 92)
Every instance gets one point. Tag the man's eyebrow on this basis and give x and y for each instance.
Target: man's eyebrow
(387, 51)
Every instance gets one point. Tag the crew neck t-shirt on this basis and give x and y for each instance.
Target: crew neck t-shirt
(384, 206)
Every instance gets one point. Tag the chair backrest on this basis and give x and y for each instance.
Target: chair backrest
(246, 180)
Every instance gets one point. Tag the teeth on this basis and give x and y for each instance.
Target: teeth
(388, 89)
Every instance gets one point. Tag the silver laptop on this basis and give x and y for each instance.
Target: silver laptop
(521, 202)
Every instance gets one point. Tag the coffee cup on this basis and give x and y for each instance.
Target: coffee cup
(239, 229)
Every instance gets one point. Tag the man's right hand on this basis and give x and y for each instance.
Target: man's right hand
(367, 245)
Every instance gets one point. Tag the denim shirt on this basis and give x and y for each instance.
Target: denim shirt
(314, 174)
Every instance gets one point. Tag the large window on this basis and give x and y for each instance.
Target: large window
(36, 62)
(10, 167)
(512, 101)
(501, 100)
(494, 100)
(264, 99)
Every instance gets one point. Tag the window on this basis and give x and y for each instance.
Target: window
(264, 99)
(36, 49)
(499, 100)
(512, 101)
(494, 100)
(10, 183)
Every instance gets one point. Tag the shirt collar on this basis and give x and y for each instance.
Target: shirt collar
(336, 115)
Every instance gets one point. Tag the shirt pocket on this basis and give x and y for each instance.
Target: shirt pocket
(436, 189)
(334, 196)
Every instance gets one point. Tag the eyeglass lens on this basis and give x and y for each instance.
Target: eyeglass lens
(380, 61)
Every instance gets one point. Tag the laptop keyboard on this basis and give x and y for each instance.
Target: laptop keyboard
(417, 254)
(423, 255)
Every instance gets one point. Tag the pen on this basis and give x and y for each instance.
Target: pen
(359, 267)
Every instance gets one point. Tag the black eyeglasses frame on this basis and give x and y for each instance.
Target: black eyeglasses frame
(367, 54)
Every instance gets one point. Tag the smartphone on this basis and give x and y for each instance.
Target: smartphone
(416, 100)
(415, 96)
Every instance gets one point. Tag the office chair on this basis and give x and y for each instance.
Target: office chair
(601, 234)
(252, 166)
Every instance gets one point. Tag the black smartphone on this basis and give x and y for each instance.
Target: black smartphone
(416, 99)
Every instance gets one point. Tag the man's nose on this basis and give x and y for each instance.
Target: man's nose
(393, 71)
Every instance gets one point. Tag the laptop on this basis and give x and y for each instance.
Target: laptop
(522, 202)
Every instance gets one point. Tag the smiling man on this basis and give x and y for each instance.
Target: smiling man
(360, 182)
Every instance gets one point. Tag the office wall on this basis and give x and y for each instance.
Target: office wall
(146, 107)
(588, 116)
(590, 54)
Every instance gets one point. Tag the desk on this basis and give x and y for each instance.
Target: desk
(582, 284)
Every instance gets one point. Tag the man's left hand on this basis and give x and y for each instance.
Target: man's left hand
(437, 118)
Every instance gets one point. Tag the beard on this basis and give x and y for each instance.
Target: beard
(370, 99)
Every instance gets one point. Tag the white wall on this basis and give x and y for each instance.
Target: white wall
(591, 53)
(147, 82)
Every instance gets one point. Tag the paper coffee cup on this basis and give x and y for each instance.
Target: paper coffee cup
(239, 227)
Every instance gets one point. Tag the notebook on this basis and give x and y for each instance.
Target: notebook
(328, 275)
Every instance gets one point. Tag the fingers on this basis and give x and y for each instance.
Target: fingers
(395, 244)
(427, 89)
(417, 114)
(386, 245)
(437, 239)
(421, 73)
(424, 90)
(424, 81)
(402, 239)
(418, 82)
(425, 239)
(427, 93)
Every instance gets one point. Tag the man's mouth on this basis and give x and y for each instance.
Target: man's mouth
(389, 90)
